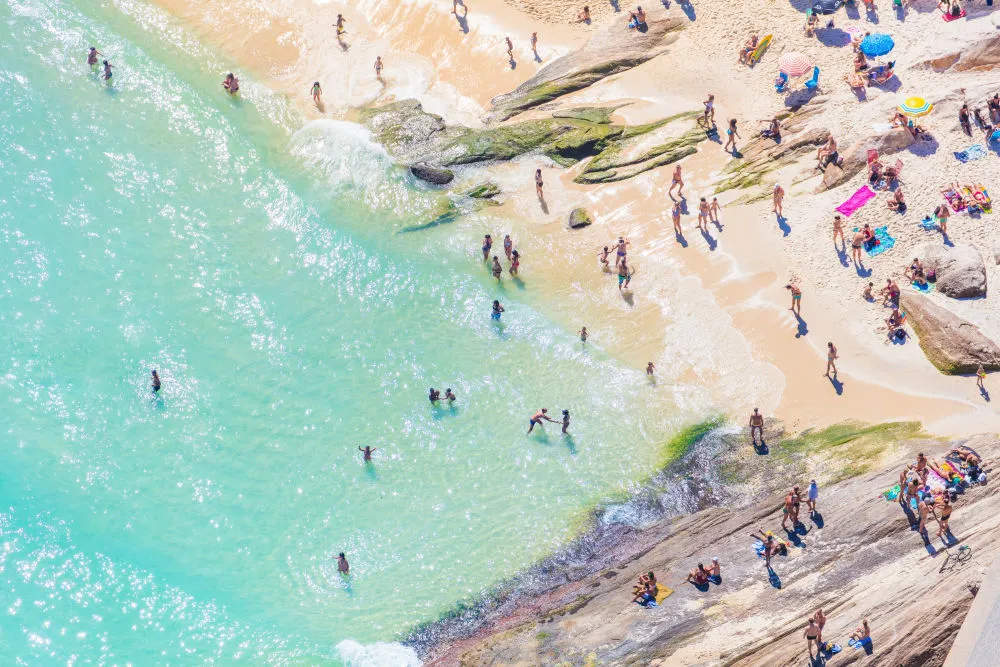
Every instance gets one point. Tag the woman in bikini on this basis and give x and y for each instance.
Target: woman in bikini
(539, 184)
(831, 359)
(487, 244)
(733, 135)
(676, 181)
(796, 298)
(497, 269)
(515, 262)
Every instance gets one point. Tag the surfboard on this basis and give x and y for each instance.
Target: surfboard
(761, 48)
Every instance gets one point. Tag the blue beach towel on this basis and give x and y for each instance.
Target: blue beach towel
(856, 644)
(758, 546)
(973, 152)
(927, 287)
(929, 223)
(885, 242)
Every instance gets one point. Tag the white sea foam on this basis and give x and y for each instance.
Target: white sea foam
(379, 654)
(344, 152)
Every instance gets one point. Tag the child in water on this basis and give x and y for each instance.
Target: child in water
(497, 309)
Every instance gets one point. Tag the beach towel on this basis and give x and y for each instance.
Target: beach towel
(949, 17)
(859, 643)
(883, 242)
(831, 648)
(856, 201)
(662, 593)
(937, 483)
(892, 493)
(973, 152)
(758, 546)
(923, 289)
(929, 223)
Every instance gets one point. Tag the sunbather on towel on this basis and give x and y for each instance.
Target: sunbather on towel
(772, 545)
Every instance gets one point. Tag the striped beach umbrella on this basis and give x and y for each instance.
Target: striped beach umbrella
(916, 107)
(794, 64)
(877, 45)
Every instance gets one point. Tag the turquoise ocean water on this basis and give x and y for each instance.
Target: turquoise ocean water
(156, 223)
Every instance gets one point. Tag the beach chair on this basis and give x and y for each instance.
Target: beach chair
(855, 81)
(898, 168)
(813, 83)
(781, 82)
(872, 156)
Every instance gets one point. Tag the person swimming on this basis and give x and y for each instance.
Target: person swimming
(342, 565)
(366, 454)
(156, 382)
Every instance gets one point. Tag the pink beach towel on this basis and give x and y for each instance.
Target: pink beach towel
(857, 200)
(949, 17)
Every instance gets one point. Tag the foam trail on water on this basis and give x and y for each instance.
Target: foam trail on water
(379, 654)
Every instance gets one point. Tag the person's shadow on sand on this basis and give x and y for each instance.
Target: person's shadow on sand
(838, 386)
(710, 240)
(817, 519)
(783, 225)
(803, 328)
(842, 256)
(680, 239)
(513, 63)
(463, 23)
(985, 394)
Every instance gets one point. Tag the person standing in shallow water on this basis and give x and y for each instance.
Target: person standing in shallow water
(366, 455)
(537, 418)
(497, 310)
(378, 67)
(539, 184)
(497, 269)
(156, 381)
(107, 71)
(317, 94)
(92, 56)
(342, 565)
(487, 245)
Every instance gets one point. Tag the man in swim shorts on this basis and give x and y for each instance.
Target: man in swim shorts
(624, 275)
(756, 427)
(537, 418)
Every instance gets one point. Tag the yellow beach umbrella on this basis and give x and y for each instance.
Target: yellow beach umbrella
(916, 107)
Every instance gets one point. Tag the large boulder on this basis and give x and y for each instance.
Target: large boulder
(980, 56)
(955, 346)
(960, 270)
(431, 174)
(856, 155)
(579, 218)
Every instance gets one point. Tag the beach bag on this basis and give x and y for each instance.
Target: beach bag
(930, 276)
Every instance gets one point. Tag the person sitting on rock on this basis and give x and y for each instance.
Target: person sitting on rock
(698, 576)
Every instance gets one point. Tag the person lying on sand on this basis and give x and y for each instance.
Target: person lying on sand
(772, 545)
(746, 53)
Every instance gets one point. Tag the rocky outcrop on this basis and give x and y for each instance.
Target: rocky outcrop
(643, 148)
(435, 175)
(856, 156)
(484, 191)
(613, 49)
(590, 114)
(762, 156)
(858, 558)
(579, 218)
(954, 345)
(960, 271)
(982, 55)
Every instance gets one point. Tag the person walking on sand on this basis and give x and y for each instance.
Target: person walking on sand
(565, 420)
(584, 335)
(675, 213)
(812, 496)
(857, 243)
(539, 184)
(756, 427)
(534, 44)
(777, 196)
(510, 49)
(650, 369)
(341, 25)
(366, 453)
(508, 245)
(342, 565)
(378, 67)
(708, 118)
(624, 275)
(838, 230)
(812, 635)
(980, 378)
(536, 419)
(733, 136)
(831, 359)
(497, 269)
(603, 256)
(317, 94)
(714, 209)
(156, 380)
(796, 299)
(703, 211)
(676, 181)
